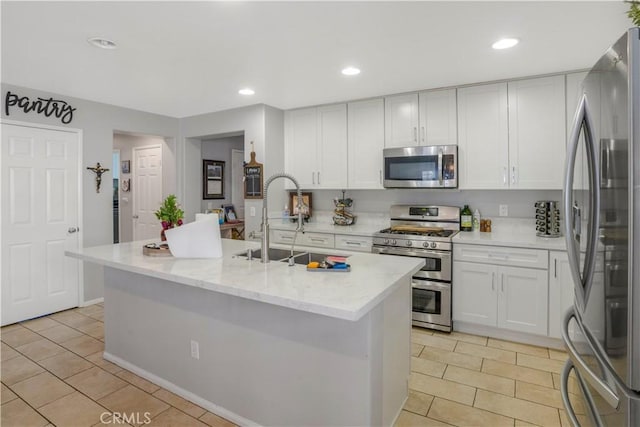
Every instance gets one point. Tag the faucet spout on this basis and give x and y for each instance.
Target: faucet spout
(264, 233)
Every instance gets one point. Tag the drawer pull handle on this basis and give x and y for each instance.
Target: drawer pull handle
(317, 240)
(499, 256)
(353, 243)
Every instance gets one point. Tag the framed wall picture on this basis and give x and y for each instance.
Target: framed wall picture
(229, 213)
(125, 166)
(212, 179)
(293, 204)
(126, 185)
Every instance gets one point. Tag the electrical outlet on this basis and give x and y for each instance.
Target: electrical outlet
(504, 210)
(252, 211)
(195, 349)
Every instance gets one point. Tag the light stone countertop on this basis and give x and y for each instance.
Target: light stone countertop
(347, 296)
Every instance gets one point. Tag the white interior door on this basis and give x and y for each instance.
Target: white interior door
(237, 173)
(147, 191)
(40, 220)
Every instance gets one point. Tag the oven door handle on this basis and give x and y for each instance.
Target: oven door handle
(421, 253)
(416, 284)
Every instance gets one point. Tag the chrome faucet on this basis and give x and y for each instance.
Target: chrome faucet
(263, 234)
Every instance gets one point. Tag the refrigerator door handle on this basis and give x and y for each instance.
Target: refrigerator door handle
(582, 280)
(564, 393)
(600, 386)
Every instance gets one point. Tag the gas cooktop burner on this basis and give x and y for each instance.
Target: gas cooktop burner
(427, 233)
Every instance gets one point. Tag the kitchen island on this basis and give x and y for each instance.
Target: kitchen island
(263, 344)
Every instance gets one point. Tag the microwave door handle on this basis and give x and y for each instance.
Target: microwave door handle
(440, 169)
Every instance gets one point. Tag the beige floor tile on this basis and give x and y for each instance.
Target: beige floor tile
(61, 333)
(460, 336)
(65, 364)
(463, 415)
(558, 354)
(83, 345)
(180, 403)
(582, 419)
(172, 418)
(41, 389)
(505, 356)
(549, 365)
(572, 384)
(18, 369)
(95, 330)
(214, 420)
(97, 316)
(517, 347)
(416, 349)
(428, 367)
(409, 419)
(434, 341)
(137, 381)
(96, 383)
(521, 373)
(18, 337)
(90, 309)
(441, 388)
(40, 324)
(97, 359)
(545, 396)
(517, 408)
(72, 318)
(131, 399)
(10, 328)
(416, 331)
(452, 358)
(73, 410)
(480, 380)
(40, 349)
(418, 403)
(18, 414)
(520, 423)
(7, 352)
(6, 395)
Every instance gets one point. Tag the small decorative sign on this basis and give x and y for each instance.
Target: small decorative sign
(47, 106)
(253, 178)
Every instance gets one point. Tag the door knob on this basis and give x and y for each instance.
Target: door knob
(73, 230)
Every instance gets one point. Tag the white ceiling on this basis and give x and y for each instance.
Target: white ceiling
(186, 58)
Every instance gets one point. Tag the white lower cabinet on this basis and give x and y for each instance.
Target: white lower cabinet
(354, 243)
(497, 294)
(323, 240)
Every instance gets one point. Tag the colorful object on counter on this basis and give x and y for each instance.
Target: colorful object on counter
(485, 226)
(330, 263)
(342, 214)
(313, 264)
(466, 219)
(170, 214)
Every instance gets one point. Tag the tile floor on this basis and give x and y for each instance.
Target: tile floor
(53, 373)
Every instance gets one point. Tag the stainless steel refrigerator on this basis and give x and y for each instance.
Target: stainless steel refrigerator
(602, 227)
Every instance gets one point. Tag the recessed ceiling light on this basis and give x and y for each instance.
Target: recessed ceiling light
(246, 91)
(505, 43)
(351, 71)
(102, 43)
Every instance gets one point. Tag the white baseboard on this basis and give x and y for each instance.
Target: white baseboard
(504, 334)
(92, 302)
(210, 406)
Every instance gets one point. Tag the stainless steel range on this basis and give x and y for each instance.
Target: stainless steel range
(424, 232)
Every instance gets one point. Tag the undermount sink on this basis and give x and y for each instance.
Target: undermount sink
(282, 255)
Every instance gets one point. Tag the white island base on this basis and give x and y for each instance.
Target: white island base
(260, 363)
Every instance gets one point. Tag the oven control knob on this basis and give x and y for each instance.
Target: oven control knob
(409, 243)
(426, 245)
(394, 242)
(433, 245)
(386, 241)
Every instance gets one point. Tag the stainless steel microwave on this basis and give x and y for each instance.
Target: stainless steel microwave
(434, 166)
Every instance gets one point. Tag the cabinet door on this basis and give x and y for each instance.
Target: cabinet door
(474, 297)
(522, 299)
(537, 133)
(483, 137)
(438, 117)
(366, 142)
(300, 145)
(332, 147)
(401, 120)
(560, 291)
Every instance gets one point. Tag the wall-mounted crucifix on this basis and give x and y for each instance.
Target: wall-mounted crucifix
(98, 170)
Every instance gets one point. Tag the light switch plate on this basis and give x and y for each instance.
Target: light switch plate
(504, 210)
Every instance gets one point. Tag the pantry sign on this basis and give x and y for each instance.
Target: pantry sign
(46, 106)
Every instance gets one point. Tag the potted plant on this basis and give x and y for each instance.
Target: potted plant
(170, 214)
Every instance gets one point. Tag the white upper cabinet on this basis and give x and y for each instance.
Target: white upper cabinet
(438, 117)
(427, 118)
(537, 133)
(401, 120)
(316, 146)
(483, 137)
(366, 141)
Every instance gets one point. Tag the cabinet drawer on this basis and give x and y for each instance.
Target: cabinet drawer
(517, 257)
(320, 240)
(354, 243)
(284, 236)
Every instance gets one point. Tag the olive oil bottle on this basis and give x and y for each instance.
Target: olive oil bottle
(466, 219)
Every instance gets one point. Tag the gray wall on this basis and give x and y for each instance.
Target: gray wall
(98, 123)
(220, 149)
(125, 143)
